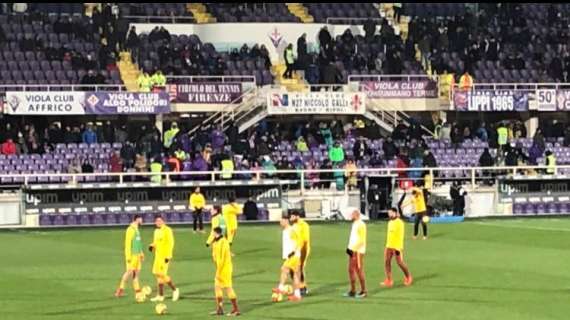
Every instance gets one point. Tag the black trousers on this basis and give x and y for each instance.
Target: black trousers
(417, 221)
(289, 71)
(198, 219)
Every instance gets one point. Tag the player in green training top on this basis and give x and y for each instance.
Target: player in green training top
(134, 256)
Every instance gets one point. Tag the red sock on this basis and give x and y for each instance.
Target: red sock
(234, 304)
(161, 289)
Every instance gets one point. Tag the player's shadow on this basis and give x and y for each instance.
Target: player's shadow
(327, 288)
(400, 285)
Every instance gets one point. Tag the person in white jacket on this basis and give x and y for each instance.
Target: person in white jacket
(356, 250)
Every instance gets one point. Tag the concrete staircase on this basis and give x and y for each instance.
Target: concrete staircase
(300, 11)
(129, 71)
(200, 12)
(297, 83)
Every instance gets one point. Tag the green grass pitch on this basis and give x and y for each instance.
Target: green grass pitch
(489, 269)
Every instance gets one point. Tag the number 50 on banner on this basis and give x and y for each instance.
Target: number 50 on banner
(546, 99)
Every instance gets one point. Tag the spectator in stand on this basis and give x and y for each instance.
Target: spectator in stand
(302, 56)
(218, 138)
(9, 147)
(550, 162)
(74, 167)
(336, 153)
(360, 149)
(456, 138)
(466, 81)
(481, 133)
(133, 41)
(429, 160)
(128, 155)
(140, 163)
(250, 209)
(89, 136)
(301, 145)
(502, 135)
(156, 169)
(86, 167)
(158, 80)
(116, 162)
(445, 133)
(170, 134)
(389, 148)
(351, 174)
(121, 135)
(289, 58)
(144, 82)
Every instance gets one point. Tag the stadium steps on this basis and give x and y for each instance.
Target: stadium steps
(295, 84)
(129, 71)
(300, 11)
(200, 12)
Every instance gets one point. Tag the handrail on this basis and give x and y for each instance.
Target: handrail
(408, 77)
(215, 174)
(58, 87)
(329, 19)
(173, 19)
(518, 86)
(213, 78)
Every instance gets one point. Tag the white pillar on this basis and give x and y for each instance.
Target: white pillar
(158, 122)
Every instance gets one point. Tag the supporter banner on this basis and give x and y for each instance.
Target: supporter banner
(206, 92)
(400, 89)
(490, 100)
(546, 99)
(126, 102)
(316, 103)
(563, 100)
(45, 103)
(167, 195)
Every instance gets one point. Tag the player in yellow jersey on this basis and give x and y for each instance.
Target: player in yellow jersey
(291, 254)
(395, 247)
(230, 212)
(303, 230)
(197, 203)
(224, 268)
(134, 256)
(356, 251)
(217, 220)
(163, 247)
(420, 210)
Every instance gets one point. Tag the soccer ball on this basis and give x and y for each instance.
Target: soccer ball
(160, 309)
(425, 219)
(146, 290)
(140, 297)
(288, 289)
(276, 297)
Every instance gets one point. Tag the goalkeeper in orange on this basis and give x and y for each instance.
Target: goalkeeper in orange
(224, 268)
(303, 230)
(163, 247)
(395, 248)
(230, 212)
(134, 256)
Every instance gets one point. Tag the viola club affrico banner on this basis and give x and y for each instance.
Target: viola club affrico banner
(316, 103)
(126, 102)
(46, 103)
(490, 100)
(206, 92)
(400, 89)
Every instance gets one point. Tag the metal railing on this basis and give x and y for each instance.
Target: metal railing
(62, 87)
(516, 86)
(351, 21)
(191, 79)
(391, 77)
(475, 173)
(161, 19)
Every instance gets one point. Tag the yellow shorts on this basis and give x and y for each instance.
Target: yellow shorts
(223, 280)
(159, 267)
(292, 263)
(134, 263)
(231, 233)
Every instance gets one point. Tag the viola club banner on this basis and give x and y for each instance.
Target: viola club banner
(553, 100)
(400, 89)
(490, 100)
(47, 103)
(127, 103)
(316, 103)
(206, 92)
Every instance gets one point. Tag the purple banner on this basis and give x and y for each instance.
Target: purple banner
(206, 92)
(126, 102)
(423, 89)
(490, 100)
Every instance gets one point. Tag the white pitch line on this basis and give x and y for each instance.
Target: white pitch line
(521, 227)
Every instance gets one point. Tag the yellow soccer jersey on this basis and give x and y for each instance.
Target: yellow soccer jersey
(418, 201)
(223, 261)
(304, 232)
(230, 212)
(163, 242)
(395, 235)
(197, 201)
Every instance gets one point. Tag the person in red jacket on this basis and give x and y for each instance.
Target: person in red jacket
(9, 147)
